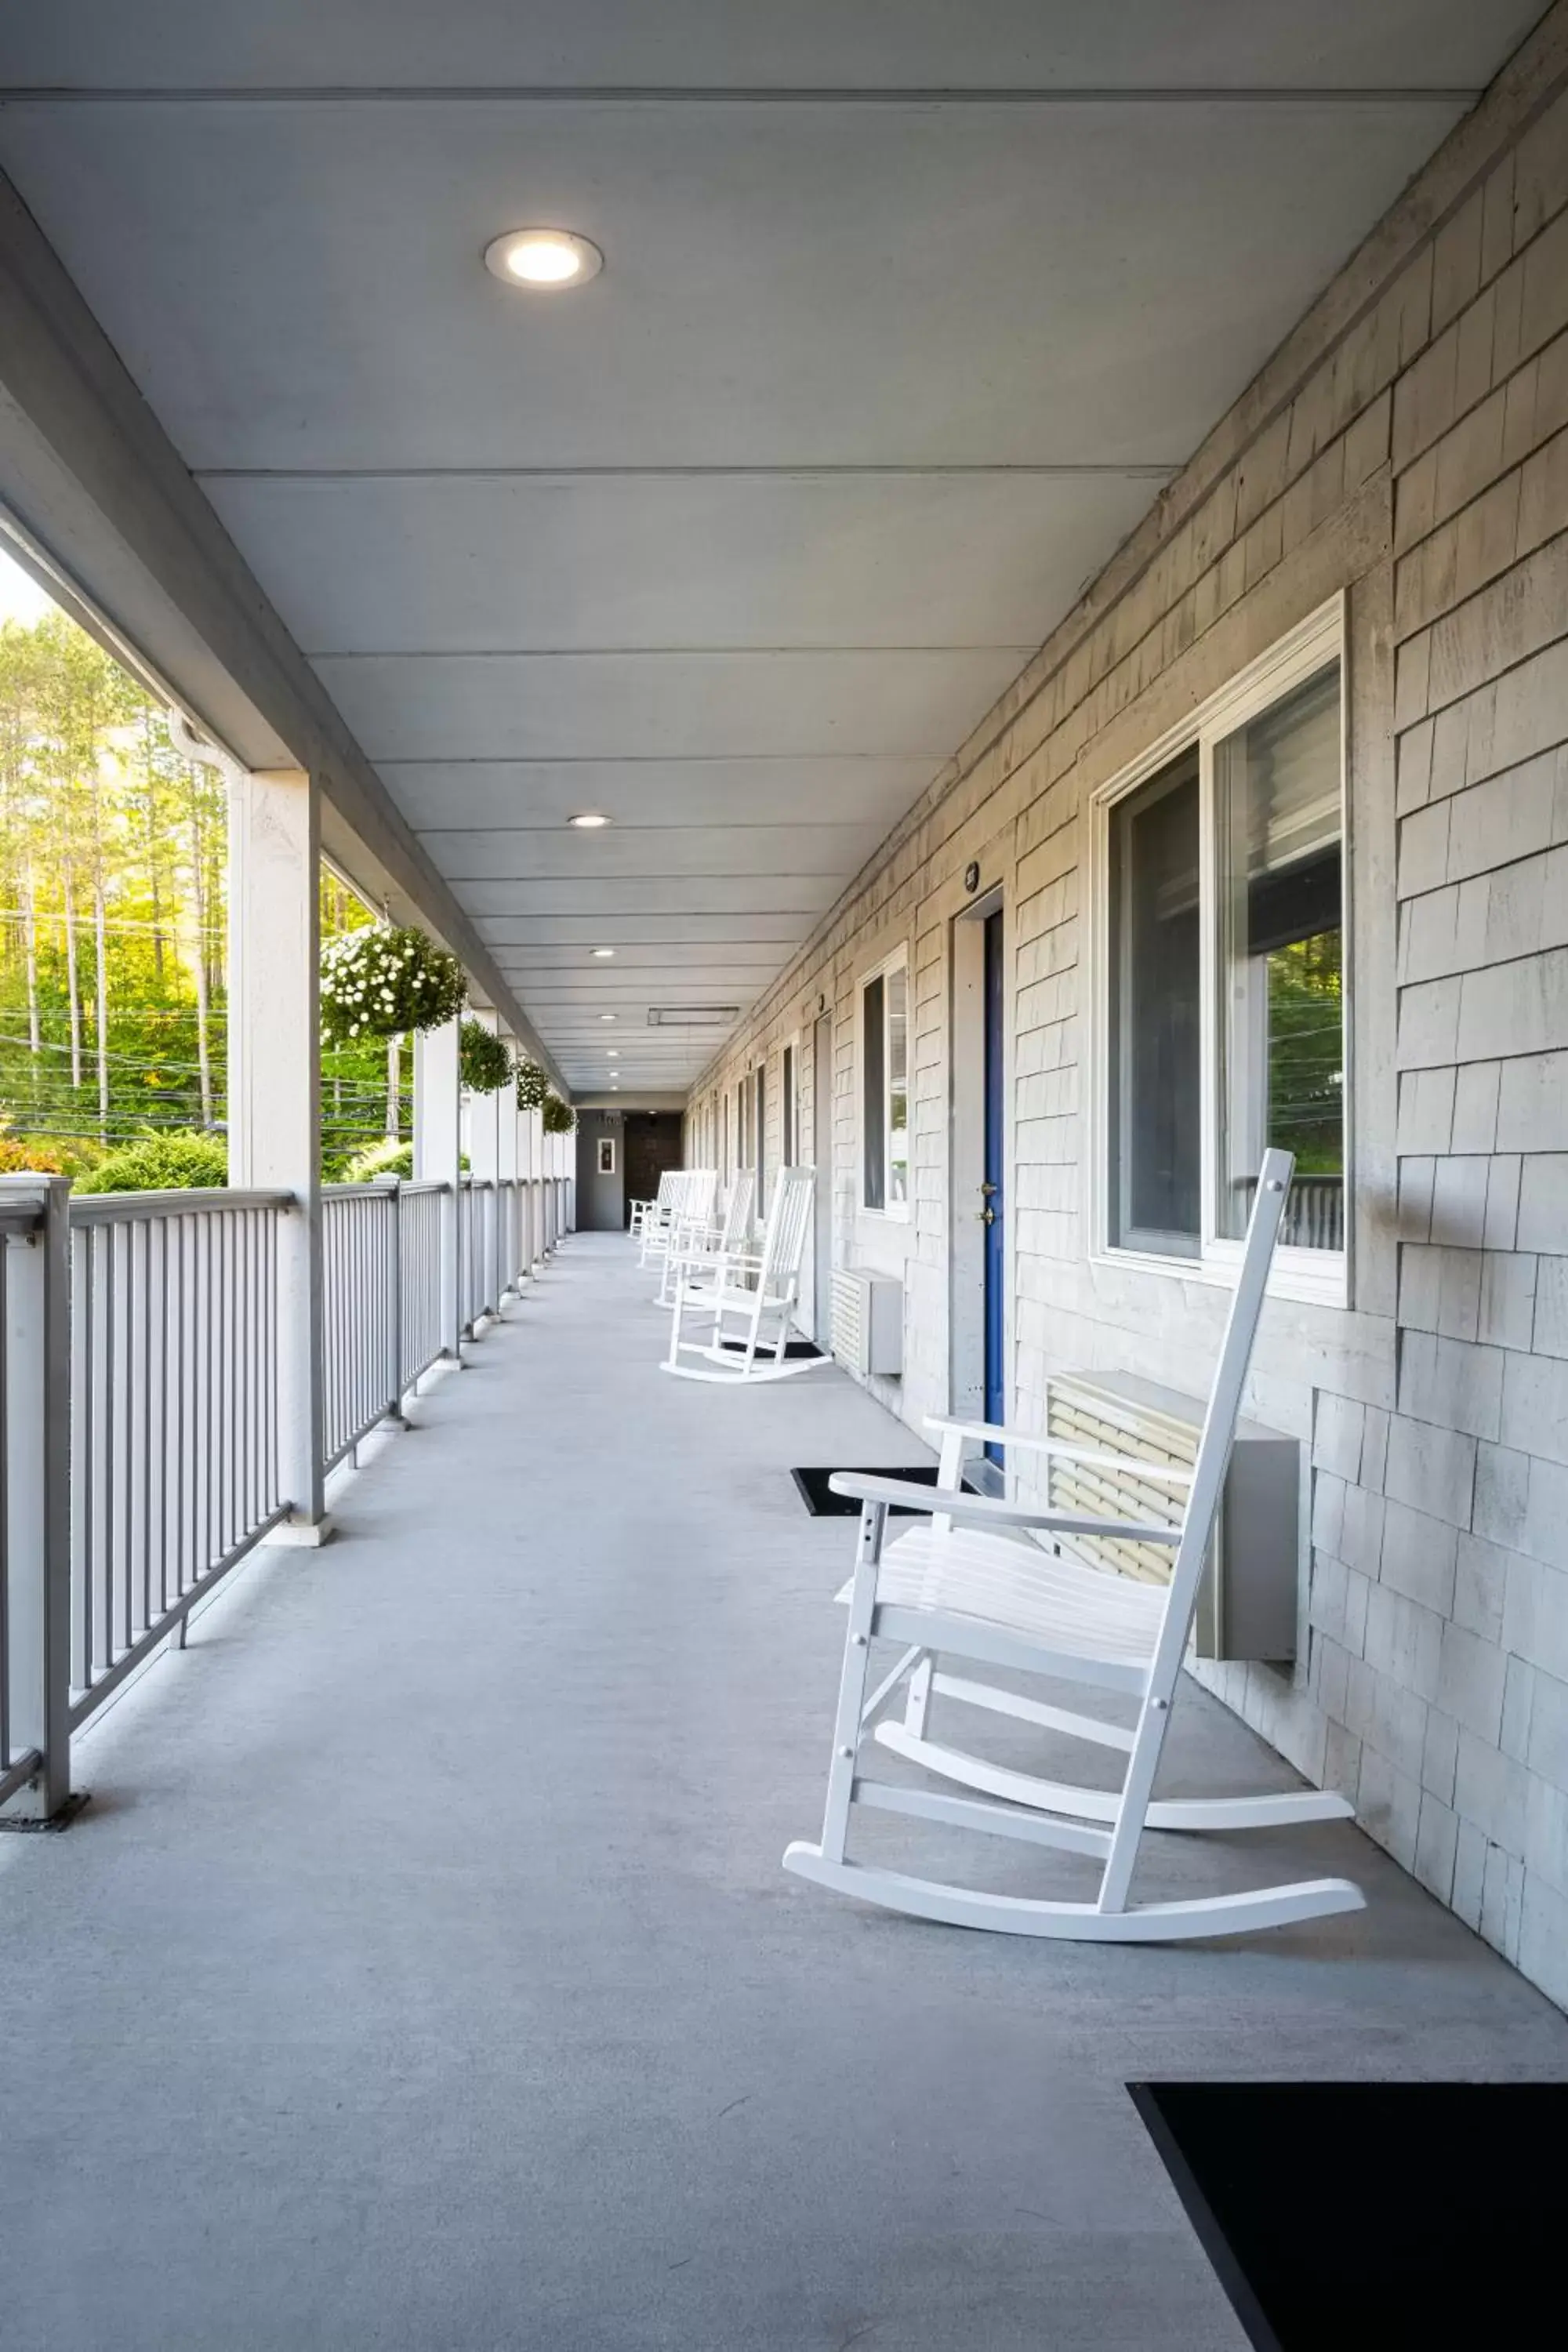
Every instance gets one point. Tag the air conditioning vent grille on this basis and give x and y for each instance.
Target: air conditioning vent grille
(692, 1016)
(869, 1323)
(1080, 1414)
(1250, 1597)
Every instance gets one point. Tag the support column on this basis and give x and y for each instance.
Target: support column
(483, 1124)
(437, 1160)
(274, 1092)
(507, 1161)
(532, 1137)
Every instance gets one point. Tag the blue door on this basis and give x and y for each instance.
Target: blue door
(994, 1189)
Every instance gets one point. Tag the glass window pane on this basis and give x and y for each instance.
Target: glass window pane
(873, 1105)
(1281, 960)
(897, 1002)
(761, 1083)
(1155, 1102)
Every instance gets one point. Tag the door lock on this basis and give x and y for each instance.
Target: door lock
(988, 1188)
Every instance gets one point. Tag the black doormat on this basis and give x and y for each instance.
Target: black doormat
(822, 1503)
(797, 1350)
(1372, 2214)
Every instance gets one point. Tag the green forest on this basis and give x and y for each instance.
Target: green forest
(112, 872)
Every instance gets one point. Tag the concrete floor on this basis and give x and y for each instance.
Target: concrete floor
(423, 1977)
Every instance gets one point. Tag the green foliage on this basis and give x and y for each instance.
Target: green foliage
(112, 922)
(367, 1083)
(558, 1117)
(387, 1157)
(18, 1156)
(484, 1062)
(160, 1163)
(383, 981)
(1306, 1053)
(533, 1086)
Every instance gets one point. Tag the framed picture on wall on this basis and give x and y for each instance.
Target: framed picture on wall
(607, 1155)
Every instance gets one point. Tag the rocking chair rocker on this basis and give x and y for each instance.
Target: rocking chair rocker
(967, 1585)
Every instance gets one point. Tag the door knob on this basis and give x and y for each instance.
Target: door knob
(986, 1216)
(988, 1188)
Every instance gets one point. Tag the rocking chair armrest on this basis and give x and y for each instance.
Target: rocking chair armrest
(1163, 1473)
(982, 1511)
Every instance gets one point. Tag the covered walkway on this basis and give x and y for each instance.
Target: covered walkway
(422, 1976)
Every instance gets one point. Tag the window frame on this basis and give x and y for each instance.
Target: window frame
(1318, 1275)
(892, 1212)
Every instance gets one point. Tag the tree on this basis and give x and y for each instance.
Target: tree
(113, 885)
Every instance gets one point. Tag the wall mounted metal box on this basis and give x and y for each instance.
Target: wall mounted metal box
(868, 1322)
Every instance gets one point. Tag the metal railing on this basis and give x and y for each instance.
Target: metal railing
(140, 1379)
(1314, 1210)
(173, 1412)
(362, 1357)
(421, 1211)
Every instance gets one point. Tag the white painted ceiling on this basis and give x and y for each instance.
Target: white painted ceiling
(908, 308)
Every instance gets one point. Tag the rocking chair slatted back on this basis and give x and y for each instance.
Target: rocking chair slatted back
(737, 1214)
(789, 1220)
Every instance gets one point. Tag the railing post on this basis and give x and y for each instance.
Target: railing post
(34, 1565)
(437, 1160)
(274, 1094)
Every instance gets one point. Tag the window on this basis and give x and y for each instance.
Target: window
(787, 1106)
(1154, 1013)
(760, 1108)
(1277, 804)
(885, 1089)
(1223, 979)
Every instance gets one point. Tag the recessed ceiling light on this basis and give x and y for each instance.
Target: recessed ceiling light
(607, 1016)
(611, 1053)
(589, 821)
(547, 259)
(602, 952)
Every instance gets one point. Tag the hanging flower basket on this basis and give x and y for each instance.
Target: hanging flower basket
(533, 1086)
(484, 1062)
(559, 1118)
(383, 981)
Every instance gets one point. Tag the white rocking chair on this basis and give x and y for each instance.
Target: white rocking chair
(760, 1290)
(649, 1217)
(697, 1258)
(639, 1212)
(965, 1585)
(689, 1226)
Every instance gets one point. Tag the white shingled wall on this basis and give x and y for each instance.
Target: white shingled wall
(1407, 447)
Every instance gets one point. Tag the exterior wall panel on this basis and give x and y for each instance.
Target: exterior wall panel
(1407, 450)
